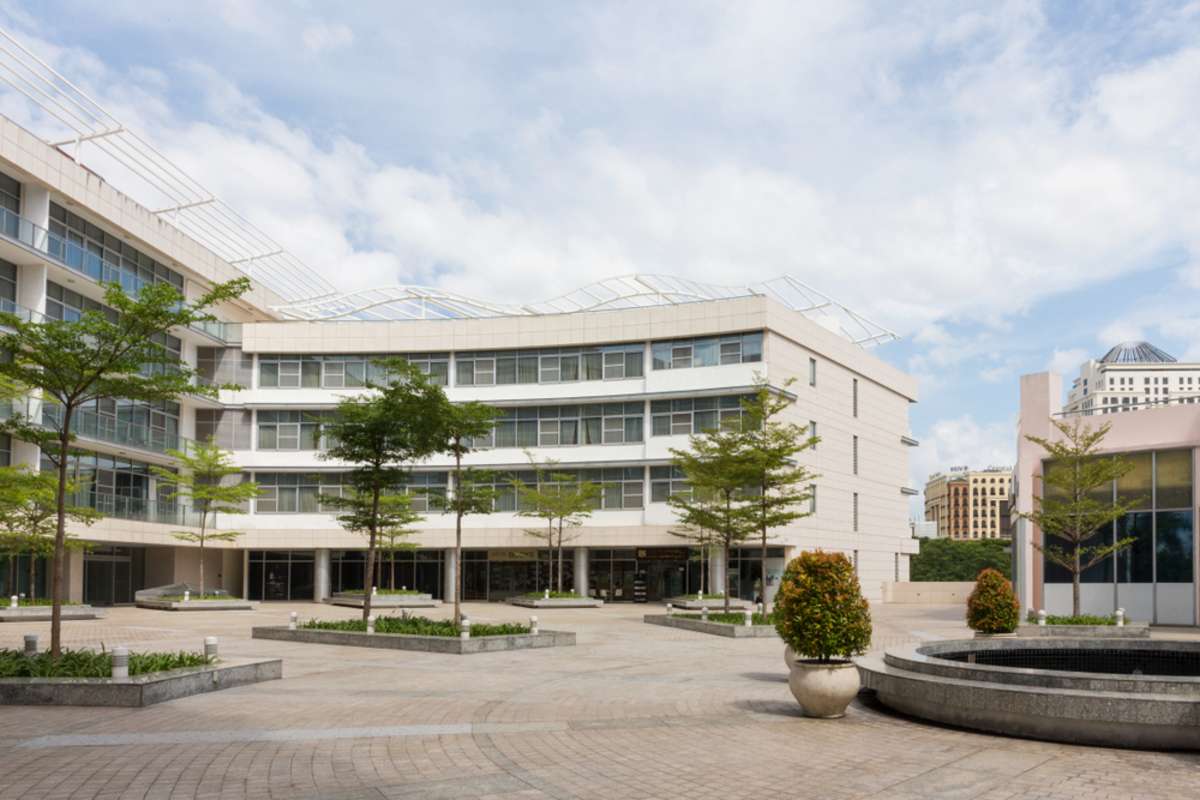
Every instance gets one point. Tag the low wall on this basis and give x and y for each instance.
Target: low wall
(929, 593)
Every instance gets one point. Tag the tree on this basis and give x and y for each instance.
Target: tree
(113, 354)
(28, 513)
(202, 479)
(379, 432)
(717, 469)
(563, 501)
(1070, 508)
(473, 493)
(703, 539)
(959, 559)
(781, 488)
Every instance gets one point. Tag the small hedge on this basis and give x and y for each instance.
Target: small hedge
(732, 618)
(416, 626)
(194, 598)
(819, 609)
(90, 664)
(379, 591)
(42, 602)
(1082, 619)
(992, 607)
(553, 596)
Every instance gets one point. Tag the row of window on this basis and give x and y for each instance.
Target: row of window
(341, 371)
(707, 352)
(611, 362)
(76, 239)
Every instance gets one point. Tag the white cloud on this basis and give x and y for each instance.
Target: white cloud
(1066, 362)
(320, 36)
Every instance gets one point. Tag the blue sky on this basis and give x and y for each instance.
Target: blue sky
(1008, 186)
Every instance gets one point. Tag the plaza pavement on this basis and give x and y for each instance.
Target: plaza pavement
(633, 711)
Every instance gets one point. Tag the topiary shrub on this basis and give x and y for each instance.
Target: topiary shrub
(819, 609)
(992, 606)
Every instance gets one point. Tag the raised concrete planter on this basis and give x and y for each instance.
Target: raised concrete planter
(926, 593)
(42, 613)
(427, 644)
(198, 605)
(139, 690)
(355, 600)
(736, 631)
(1160, 712)
(1130, 630)
(713, 606)
(556, 602)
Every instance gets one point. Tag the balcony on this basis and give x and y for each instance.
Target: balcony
(75, 257)
(19, 311)
(102, 428)
(137, 508)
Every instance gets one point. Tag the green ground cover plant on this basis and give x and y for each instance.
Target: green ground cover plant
(416, 626)
(47, 602)
(178, 598)
(553, 596)
(1082, 619)
(90, 663)
(733, 618)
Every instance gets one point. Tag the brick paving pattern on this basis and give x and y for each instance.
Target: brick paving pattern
(634, 711)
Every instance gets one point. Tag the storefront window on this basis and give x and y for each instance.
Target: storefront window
(1173, 539)
(1135, 564)
(1173, 479)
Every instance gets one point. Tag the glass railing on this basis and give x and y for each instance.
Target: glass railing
(75, 256)
(137, 508)
(102, 428)
(21, 312)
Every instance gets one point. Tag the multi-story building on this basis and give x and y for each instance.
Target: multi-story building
(1154, 580)
(1133, 376)
(969, 504)
(605, 380)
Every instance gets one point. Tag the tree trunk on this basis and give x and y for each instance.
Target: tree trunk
(12, 574)
(458, 515)
(203, 522)
(763, 572)
(32, 575)
(392, 571)
(560, 556)
(60, 536)
(1075, 584)
(369, 578)
(726, 542)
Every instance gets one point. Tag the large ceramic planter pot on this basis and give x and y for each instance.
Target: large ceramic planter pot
(788, 656)
(823, 690)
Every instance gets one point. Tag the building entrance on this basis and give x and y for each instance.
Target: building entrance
(111, 575)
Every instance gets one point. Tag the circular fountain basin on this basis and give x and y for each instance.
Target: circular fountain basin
(1134, 693)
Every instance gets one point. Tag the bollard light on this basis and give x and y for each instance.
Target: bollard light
(1120, 618)
(699, 595)
(546, 596)
(760, 608)
(292, 620)
(374, 591)
(704, 613)
(31, 645)
(210, 648)
(749, 617)
(13, 601)
(1042, 617)
(371, 624)
(533, 625)
(670, 608)
(120, 662)
(465, 629)
(187, 595)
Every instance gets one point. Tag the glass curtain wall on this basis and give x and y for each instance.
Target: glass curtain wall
(281, 575)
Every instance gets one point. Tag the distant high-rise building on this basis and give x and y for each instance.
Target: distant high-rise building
(969, 504)
(1130, 377)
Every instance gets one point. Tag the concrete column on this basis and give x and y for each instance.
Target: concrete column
(321, 583)
(450, 575)
(73, 576)
(716, 572)
(35, 206)
(581, 571)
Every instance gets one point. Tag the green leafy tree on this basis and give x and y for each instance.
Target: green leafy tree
(717, 470)
(959, 559)
(379, 432)
(781, 487)
(390, 516)
(459, 425)
(28, 516)
(992, 606)
(702, 541)
(204, 480)
(1073, 506)
(564, 502)
(820, 611)
(100, 356)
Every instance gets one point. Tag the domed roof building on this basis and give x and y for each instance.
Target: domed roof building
(1136, 353)
(1131, 376)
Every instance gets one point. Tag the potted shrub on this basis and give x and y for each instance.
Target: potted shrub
(821, 615)
(992, 608)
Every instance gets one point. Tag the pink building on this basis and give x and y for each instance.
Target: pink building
(1155, 580)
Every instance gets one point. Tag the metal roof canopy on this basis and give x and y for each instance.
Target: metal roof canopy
(628, 291)
(75, 119)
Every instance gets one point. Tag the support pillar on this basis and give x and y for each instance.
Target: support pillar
(716, 572)
(581, 571)
(321, 583)
(449, 575)
(72, 577)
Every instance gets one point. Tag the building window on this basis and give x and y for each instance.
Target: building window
(567, 426)
(854, 512)
(101, 255)
(620, 487)
(812, 498)
(559, 365)
(854, 454)
(854, 397)
(229, 428)
(342, 371)
(293, 430)
(667, 481)
(708, 352)
(812, 372)
(686, 416)
(10, 197)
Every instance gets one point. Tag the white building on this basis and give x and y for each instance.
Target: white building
(1133, 376)
(605, 380)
